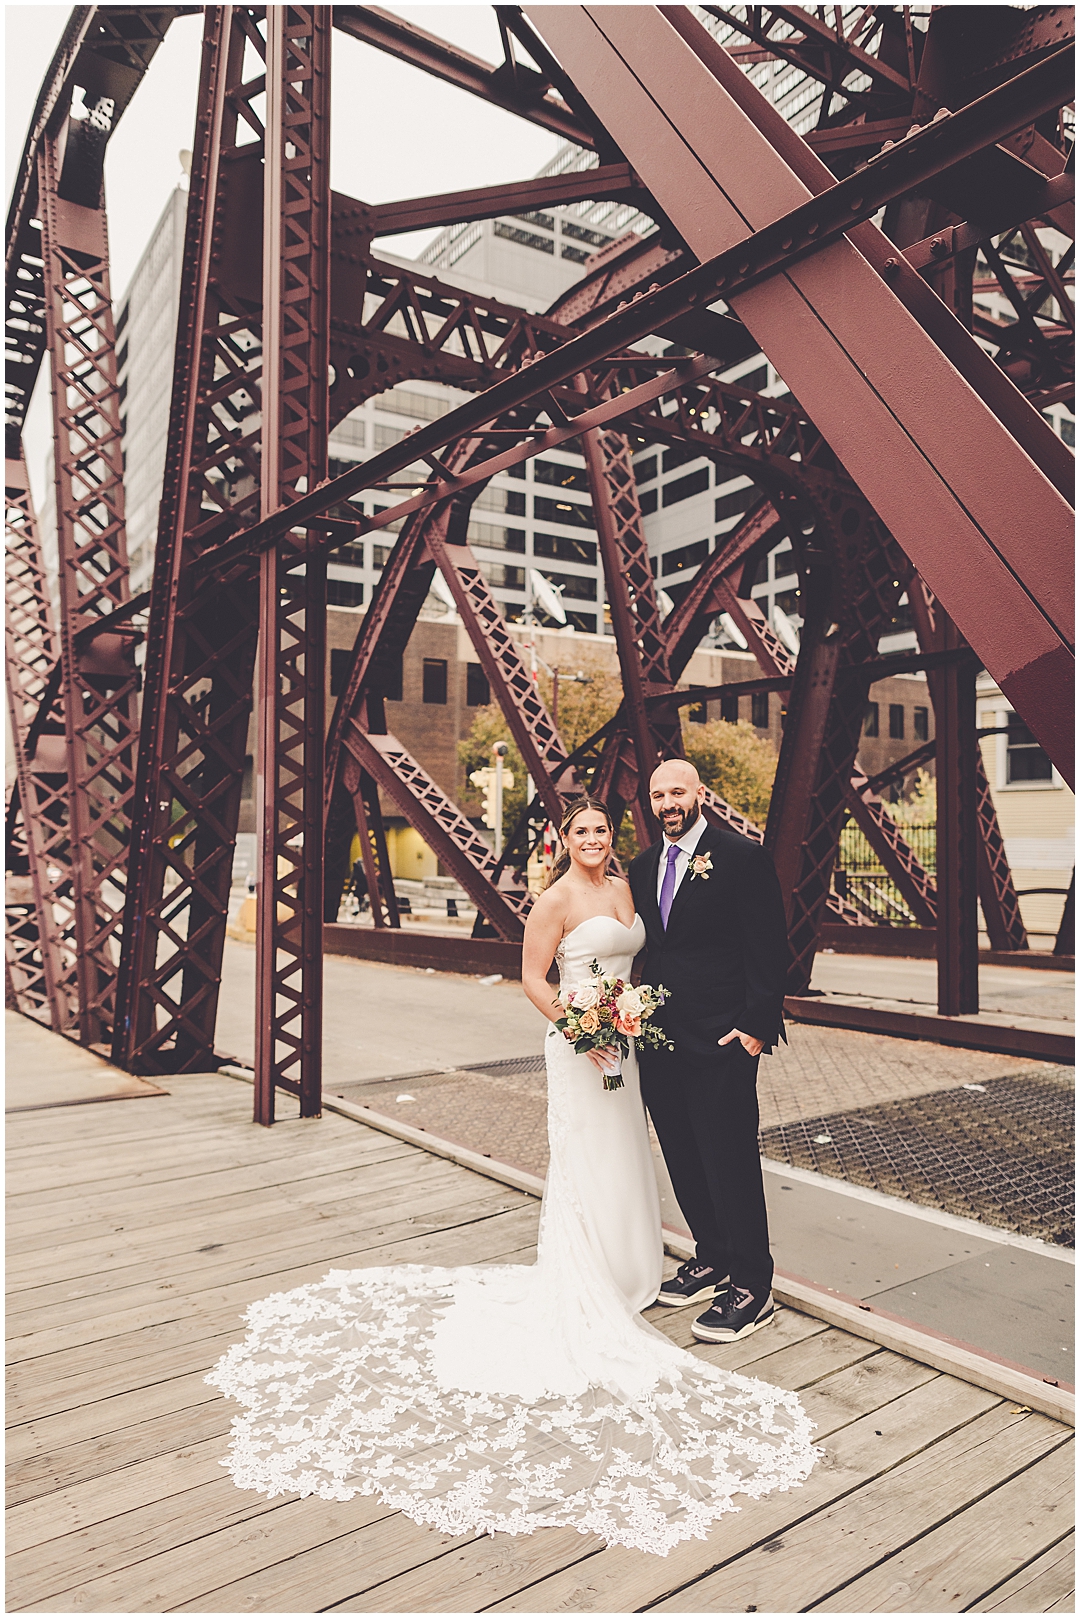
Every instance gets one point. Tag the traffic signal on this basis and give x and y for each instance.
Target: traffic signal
(485, 780)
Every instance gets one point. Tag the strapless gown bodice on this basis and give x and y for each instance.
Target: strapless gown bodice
(604, 939)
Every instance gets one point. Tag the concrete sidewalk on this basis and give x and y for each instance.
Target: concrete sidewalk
(1005, 1295)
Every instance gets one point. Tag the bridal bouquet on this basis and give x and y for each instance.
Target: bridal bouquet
(606, 1012)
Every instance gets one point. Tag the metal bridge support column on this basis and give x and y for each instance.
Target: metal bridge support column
(957, 837)
(99, 679)
(635, 614)
(202, 634)
(40, 941)
(292, 605)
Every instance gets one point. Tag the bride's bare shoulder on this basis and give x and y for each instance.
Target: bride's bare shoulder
(549, 907)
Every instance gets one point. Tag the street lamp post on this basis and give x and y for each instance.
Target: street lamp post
(500, 751)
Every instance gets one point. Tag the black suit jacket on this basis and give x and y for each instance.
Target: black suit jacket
(724, 954)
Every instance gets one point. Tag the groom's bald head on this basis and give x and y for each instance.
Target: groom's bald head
(676, 794)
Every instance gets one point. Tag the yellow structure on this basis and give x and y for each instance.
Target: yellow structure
(1035, 809)
(410, 856)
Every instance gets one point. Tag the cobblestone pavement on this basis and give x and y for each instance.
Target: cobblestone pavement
(822, 1075)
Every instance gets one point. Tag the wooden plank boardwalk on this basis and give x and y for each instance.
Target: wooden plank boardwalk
(139, 1232)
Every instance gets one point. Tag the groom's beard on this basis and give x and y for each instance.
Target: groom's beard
(677, 821)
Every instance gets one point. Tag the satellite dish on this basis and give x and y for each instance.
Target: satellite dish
(733, 632)
(440, 588)
(664, 602)
(786, 630)
(548, 596)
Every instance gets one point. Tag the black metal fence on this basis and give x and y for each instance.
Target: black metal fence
(861, 878)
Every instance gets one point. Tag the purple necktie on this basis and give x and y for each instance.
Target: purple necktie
(667, 891)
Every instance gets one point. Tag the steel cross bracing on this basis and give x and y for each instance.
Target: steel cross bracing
(950, 185)
(40, 931)
(202, 635)
(292, 606)
(98, 679)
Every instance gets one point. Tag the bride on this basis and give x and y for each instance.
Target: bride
(509, 1397)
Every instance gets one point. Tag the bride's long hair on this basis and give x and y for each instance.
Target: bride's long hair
(562, 859)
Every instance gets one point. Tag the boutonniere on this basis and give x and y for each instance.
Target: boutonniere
(701, 865)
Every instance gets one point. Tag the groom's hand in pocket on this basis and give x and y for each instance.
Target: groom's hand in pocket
(752, 1046)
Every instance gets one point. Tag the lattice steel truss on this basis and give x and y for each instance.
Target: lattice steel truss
(910, 455)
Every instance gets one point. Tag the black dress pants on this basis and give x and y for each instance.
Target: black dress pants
(705, 1112)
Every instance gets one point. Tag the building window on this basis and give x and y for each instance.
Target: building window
(729, 707)
(759, 709)
(896, 721)
(501, 577)
(683, 488)
(544, 220)
(387, 437)
(1024, 758)
(344, 593)
(392, 678)
(593, 237)
(679, 454)
(922, 724)
(380, 555)
(584, 622)
(340, 664)
(699, 713)
(578, 586)
(576, 255)
(510, 233)
(734, 504)
(686, 556)
(565, 548)
(645, 471)
(477, 690)
(569, 512)
(401, 402)
(435, 679)
(754, 380)
(564, 477)
(870, 723)
(648, 502)
(512, 501)
(496, 539)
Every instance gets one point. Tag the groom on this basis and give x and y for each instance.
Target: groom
(716, 938)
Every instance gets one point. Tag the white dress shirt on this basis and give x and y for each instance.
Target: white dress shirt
(686, 844)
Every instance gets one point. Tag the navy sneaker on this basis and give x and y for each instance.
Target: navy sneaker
(736, 1315)
(692, 1283)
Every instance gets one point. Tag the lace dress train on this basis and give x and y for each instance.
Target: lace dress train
(509, 1397)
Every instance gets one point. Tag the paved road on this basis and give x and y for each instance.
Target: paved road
(389, 1020)
(1019, 991)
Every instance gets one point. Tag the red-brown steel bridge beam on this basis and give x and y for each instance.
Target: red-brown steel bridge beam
(946, 480)
(772, 251)
(104, 50)
(40, 922)
(98, 675)
(612, 182)
(292, 606)
(512, 86)
(202, 634)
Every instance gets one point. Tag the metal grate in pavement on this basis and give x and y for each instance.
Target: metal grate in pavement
(1002, 1153)
(512, 1064)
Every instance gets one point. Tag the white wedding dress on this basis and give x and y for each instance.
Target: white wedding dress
(512, 1397)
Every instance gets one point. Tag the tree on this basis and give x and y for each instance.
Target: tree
(735, 763)
(475, 753)
(920, 808)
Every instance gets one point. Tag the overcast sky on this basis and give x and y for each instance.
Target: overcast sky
(396, 132)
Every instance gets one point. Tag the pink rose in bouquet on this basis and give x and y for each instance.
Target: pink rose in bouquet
(606, 1013)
